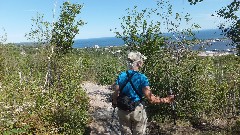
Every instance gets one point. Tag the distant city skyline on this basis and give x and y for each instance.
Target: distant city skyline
(101, 16)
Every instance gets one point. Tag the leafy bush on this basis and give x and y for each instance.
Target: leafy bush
(30, 104)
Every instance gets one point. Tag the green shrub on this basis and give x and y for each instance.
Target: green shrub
(30, 105)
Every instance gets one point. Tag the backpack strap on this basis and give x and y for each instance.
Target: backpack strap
(129, 78)
(135, 88)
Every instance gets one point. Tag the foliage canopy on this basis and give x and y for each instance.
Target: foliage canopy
(61, 33)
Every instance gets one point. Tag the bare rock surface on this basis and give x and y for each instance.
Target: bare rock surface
(104, 117)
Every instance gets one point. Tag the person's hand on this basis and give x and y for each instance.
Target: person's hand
(170, 98)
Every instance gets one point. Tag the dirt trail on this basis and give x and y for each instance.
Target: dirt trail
(101, 110)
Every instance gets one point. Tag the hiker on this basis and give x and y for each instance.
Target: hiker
(129, 89)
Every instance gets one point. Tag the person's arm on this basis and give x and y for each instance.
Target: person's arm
(155, 99)
(115, 95)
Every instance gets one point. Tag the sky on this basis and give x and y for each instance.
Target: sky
(100, 15)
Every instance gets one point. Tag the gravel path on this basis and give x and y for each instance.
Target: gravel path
(101, 110)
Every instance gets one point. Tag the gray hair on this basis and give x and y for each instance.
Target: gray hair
(134, 58)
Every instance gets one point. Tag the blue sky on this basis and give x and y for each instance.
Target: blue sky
(100, 15)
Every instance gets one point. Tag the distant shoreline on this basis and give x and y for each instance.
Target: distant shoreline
(212, 53)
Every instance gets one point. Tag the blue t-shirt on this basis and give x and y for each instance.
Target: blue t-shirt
(139, 81)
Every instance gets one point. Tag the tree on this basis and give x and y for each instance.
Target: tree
(66, 28)
(61, 33)
(142, 33)
(58, 37)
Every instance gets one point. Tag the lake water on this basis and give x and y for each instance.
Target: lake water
(205, 34)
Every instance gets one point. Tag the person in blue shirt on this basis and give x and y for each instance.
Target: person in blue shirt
(134, 121)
